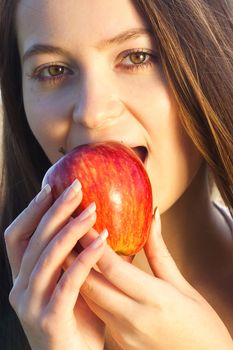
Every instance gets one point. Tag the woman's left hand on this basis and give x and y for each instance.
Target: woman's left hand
(157, 312)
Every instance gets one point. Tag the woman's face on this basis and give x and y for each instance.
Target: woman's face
(91, 73)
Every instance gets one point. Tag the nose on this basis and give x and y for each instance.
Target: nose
(97, 105)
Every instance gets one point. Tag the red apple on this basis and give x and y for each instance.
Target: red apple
(114, 177)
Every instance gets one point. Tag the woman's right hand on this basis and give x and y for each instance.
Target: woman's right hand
(47, 302)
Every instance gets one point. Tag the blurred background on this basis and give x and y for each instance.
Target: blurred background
(0, 128)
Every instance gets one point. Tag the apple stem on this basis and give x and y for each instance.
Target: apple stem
(62, 151)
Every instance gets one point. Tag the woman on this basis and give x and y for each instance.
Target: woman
(155, 74)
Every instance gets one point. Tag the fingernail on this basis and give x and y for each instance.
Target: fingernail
(100, 239)
(72, 190)
(43, 193)
(157, 220)
(87, 212)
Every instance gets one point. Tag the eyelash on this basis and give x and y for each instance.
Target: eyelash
(38, 73)
(152, 58)
(149, 60)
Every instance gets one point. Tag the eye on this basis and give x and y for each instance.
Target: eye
(51, 73)
(136, 59)
(54, 71)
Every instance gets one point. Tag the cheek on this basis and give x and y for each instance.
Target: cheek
(48, 119)
(173, 159)
(174, 162)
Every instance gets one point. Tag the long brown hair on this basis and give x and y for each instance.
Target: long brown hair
(196, 47)
(23, 165)
(195, 39)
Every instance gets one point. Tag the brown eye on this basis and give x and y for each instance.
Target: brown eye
(55, 73)
(138, 57)
(136, 60)
(56, 70)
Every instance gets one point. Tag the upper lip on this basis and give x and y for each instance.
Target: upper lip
(132, 144)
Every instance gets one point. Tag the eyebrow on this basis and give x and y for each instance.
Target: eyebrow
(122, 37)
(37, 49)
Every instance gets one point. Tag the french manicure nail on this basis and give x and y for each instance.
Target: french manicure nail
(87, 212)
(100, 239)
(157, 220)
(72, 190)
(43, 193)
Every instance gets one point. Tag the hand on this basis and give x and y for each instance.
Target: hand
(47, 302)
(160, 312)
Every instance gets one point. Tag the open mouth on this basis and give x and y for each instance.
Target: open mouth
(141, 152)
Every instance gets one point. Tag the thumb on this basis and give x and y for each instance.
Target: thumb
(160, 260)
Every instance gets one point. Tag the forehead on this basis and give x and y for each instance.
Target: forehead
(68, 20)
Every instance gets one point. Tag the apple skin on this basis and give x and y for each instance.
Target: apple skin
(113, 177)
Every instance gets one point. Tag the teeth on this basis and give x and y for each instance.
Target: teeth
(141, 152)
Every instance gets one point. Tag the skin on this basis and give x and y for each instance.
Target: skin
(96, 102)
(96, 97)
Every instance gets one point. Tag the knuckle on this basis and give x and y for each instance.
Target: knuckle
(46, 324)
(23, 305)
(13, 298)
(8, 234)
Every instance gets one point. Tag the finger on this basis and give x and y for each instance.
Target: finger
(107, 296)
(67, 290)
(87, 321)
(19, 232)
(101, 313)
(126, 277)
(85, 241)
(161, 262)
(51, 223)
(121, 274)
(47, 271)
